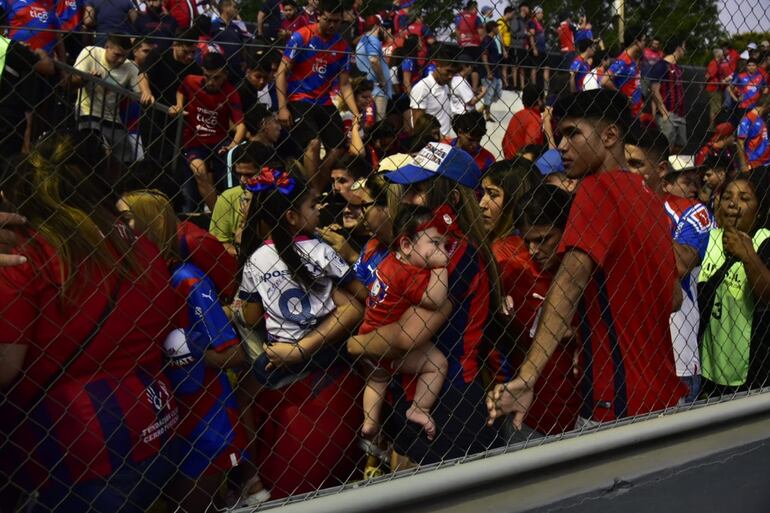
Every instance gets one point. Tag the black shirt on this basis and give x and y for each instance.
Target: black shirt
(18, 72)
(161, 25)
(166, 73)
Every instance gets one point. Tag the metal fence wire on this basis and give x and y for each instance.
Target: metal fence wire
(254, 253)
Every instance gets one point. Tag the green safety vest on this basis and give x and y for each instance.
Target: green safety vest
(727, 338)
(4, 44)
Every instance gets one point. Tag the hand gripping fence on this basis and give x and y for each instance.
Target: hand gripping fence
(340, 245)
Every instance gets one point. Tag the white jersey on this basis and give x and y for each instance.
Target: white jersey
(591, 81)
(290, 311)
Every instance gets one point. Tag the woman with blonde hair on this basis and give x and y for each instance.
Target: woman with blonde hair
(88, 408)
(209, 438)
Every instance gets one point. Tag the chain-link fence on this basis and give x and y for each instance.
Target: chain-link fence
(253, 256)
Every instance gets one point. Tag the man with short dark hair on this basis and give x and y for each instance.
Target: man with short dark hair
(210, 105)
(231, 34)
(316, 58)
(519, 38)
(99, 107)
(617, 260)
(526, 126)
(156, 24)
(668, 95)
(471, 129)
(581, 66)
(753, 141)
(431, 94)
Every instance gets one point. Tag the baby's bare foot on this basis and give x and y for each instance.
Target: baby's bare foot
(370, 429)
(423, 418)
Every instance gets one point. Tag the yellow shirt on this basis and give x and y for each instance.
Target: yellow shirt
(505, 31)
(227, 215)
(95, 100)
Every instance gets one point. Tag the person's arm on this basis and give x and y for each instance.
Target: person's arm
(608, 82)
(436, 292)
(559, 308)
(658, 100)
(346, 91)
(485, 61)
(312, 159)
(336, 327)
(740, 245)
(44, 65)
(407, 81)
(179, 107)
(240, 135)
(572, 85)
(8, 239)
(146, 97)
(133, 14)
(89, 17)
(742, 160)
(281, 88)
(261, 23)
(548, 127)
(357, 290)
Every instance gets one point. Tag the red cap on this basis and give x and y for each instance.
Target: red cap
(372, 21)
(444, 220)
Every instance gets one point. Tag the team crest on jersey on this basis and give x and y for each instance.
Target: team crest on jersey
(378, 291)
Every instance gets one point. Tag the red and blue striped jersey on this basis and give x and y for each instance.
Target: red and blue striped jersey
(70, 13)
(669, 76)
(625, 75)
(752, 131)
(316, 64)
(113, 404)
(30, 22)
(580, 68)
(750, 88)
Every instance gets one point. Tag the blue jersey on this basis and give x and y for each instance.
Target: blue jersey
(371, 255)
(580, 68)
(752, 132)
(209, 436)
(316, 64)
(691, 222)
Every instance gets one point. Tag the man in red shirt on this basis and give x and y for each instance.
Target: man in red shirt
(617, 271)
(210, 103)
(715, 84)
(470, 31)
(526, 126)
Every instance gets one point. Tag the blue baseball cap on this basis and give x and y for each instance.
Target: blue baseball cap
(438, 159)
(550, 162)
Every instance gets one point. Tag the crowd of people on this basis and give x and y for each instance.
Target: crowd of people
(260, 259)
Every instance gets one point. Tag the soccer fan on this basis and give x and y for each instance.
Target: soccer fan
(651, 55)
(20, 62)
(527, 276)
(538, 49)
(717, 171)
(647, 155)
(70, 14)
(469, 31)
(734, 350)
(581, 66)
(439, 175)
(316, 58)
(668, 94)
(715, 84)
(519, 42)
(461, 96)
(504, 31)
(209, 439)
(210, 104)
(628, 368)
(594, 79)
(89, 285)
(159, 26)
(259, 86)
(526, 126)
(269, 19)
(748, 86)
(370, 60)
(753, 142)
(293, 19)
(98, 107)
(566, 36)
(471, 129)
(230, 33)
(623, 74)
(109, 17)
(33, 23)
(492, 58)
(431, 94)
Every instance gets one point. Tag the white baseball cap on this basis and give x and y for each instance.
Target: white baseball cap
(681, 163)
(751, 46)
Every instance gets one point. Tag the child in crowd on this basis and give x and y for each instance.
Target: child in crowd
(289, 281)
(414, 274)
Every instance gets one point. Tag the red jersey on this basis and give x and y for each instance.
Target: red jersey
(566, 37)
(625, 309)
(113, 399)
(467, 26)
(524, 128)
(296, 23)
(208, 114)
(396, 287)
(557, 402)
